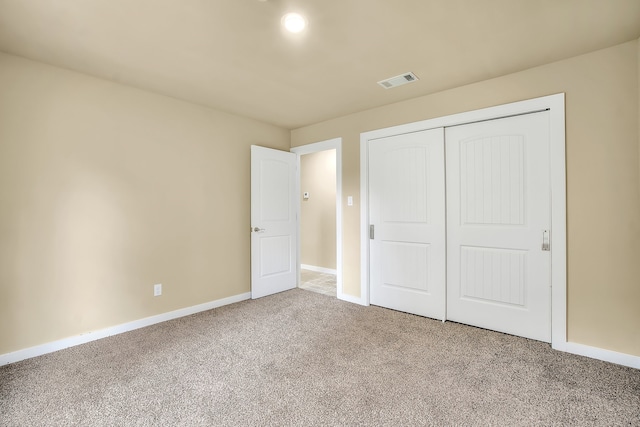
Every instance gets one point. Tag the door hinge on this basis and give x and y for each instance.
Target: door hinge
(546, 242)
(372, 231)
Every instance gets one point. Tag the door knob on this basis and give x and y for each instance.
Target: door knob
(258, 230)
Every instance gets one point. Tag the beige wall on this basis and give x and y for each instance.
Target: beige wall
(603, 197)
(106, 190)
(318, 213)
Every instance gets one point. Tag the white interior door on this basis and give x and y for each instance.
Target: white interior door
(498, 211)
(407, 213)
(273, 221)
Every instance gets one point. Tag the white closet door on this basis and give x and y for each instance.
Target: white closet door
(407, 212)
(498, 207)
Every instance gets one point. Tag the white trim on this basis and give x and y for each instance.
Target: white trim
(554, 103)
(352, 299)
(600, 354)
(318, 269)
(557, 155)
(331, 144)
(364, 218)
(50, 347)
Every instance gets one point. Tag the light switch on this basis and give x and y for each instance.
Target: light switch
(349, 200)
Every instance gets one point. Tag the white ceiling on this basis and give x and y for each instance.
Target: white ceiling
(233, 55)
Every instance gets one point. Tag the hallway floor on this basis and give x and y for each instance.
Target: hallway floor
(321, 283)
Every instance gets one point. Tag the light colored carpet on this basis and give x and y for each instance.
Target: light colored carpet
(300, 358)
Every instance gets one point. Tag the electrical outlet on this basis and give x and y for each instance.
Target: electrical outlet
(157, 289)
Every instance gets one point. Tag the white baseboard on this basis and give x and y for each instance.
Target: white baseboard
(318, 269)
(27, 353)
(351, 299)
(50, 347)
(600, 354)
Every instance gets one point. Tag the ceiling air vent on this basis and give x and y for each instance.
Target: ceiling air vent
(400, 80)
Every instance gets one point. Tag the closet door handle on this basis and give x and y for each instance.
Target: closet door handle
(372, 231)
(546, 244)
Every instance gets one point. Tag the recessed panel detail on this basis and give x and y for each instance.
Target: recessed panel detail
(496, 275)
(275, 253)
(404, 183)
(492, 179)
(274, 194)
(406, 265)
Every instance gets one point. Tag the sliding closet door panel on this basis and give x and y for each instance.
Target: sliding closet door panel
(498, 207)
(407, 212)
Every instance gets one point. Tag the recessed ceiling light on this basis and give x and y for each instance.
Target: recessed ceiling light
(294, 22)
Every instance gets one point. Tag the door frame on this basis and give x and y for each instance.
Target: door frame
(555, 104)
(330, 144)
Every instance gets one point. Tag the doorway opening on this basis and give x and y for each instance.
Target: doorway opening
(319, 186)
